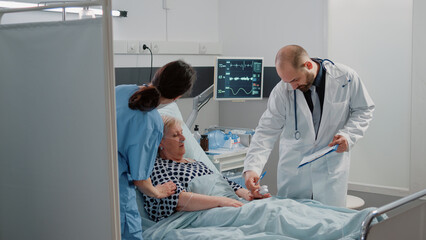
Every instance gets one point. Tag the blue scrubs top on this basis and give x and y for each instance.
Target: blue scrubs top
(138, 136)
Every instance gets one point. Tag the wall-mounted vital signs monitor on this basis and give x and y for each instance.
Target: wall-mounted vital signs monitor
(238, 78)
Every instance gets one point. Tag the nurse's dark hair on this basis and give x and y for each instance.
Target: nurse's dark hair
(170, 81)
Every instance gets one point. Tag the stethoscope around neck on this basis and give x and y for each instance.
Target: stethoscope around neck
(297, 133)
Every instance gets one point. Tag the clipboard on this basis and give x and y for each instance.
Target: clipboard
(317, 155)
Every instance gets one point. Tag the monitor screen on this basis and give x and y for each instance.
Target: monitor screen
(238, 78)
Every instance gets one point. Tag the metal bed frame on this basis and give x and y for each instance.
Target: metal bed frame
(199, 102)
(366, 224)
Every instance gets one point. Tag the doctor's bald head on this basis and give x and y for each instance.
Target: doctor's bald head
(294, 67)
(294, 55)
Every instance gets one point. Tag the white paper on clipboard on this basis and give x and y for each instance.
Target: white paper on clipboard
(316, 155)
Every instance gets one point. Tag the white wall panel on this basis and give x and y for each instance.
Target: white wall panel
(261, 28)
(418, 120)
(375, 38)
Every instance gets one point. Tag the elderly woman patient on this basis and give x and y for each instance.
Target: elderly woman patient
(208, 206)
(171, 166)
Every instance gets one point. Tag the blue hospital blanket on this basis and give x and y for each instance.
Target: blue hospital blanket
(272, 218)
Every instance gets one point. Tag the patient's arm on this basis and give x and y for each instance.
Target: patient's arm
(189, 201)
(244, 193)
(159, 191)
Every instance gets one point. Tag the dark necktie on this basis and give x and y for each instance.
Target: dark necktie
(309, 100)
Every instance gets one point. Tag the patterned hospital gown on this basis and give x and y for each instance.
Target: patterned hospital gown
(181, 174)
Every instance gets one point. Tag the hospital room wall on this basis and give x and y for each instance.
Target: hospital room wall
(386, 50)
(186, 21)
(418, 114)
(260, 28)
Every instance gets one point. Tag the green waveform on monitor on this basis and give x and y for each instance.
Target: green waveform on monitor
(235, 93)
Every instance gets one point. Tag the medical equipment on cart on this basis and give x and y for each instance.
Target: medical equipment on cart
(220, 139)
(196, 134)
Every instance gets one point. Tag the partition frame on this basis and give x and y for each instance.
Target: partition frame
(109, 98)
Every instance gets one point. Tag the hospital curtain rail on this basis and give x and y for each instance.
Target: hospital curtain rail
(58, 167)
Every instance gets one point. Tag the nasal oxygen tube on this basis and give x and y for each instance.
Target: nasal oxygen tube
(174, 139)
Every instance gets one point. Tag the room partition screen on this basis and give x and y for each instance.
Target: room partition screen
(58, 170)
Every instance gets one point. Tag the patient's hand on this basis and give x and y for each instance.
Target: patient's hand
(228, 202)
(165, 189)
(244, 193)
(257, 195)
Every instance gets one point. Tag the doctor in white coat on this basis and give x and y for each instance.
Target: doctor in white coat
(340, 113)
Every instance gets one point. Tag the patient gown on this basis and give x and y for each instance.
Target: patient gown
(138, 136)
(181, 174)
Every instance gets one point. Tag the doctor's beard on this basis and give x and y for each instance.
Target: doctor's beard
(310, 77)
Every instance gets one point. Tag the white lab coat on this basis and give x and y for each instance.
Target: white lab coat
(347, 111)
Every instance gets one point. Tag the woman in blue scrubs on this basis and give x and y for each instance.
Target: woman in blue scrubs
(139, 132)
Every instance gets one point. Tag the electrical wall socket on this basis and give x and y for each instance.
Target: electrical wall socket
(155, 47)
(210, 48)
(175, 47)
(141, 50)
(133, 47)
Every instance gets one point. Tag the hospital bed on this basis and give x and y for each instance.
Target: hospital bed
(408, 224)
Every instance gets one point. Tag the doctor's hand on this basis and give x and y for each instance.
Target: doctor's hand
(343, 143)
(251, 179)
(165, 189)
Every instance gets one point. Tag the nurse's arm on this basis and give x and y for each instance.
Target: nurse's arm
(189, 201)
(159, 191)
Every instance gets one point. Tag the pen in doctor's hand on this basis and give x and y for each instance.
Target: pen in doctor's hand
(261, 176)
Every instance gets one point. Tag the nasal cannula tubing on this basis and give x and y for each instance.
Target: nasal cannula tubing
(174, 139)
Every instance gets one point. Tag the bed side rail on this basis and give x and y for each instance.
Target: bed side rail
(365, 226)
(199, 102)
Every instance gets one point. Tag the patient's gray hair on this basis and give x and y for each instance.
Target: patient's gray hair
(170, 121)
